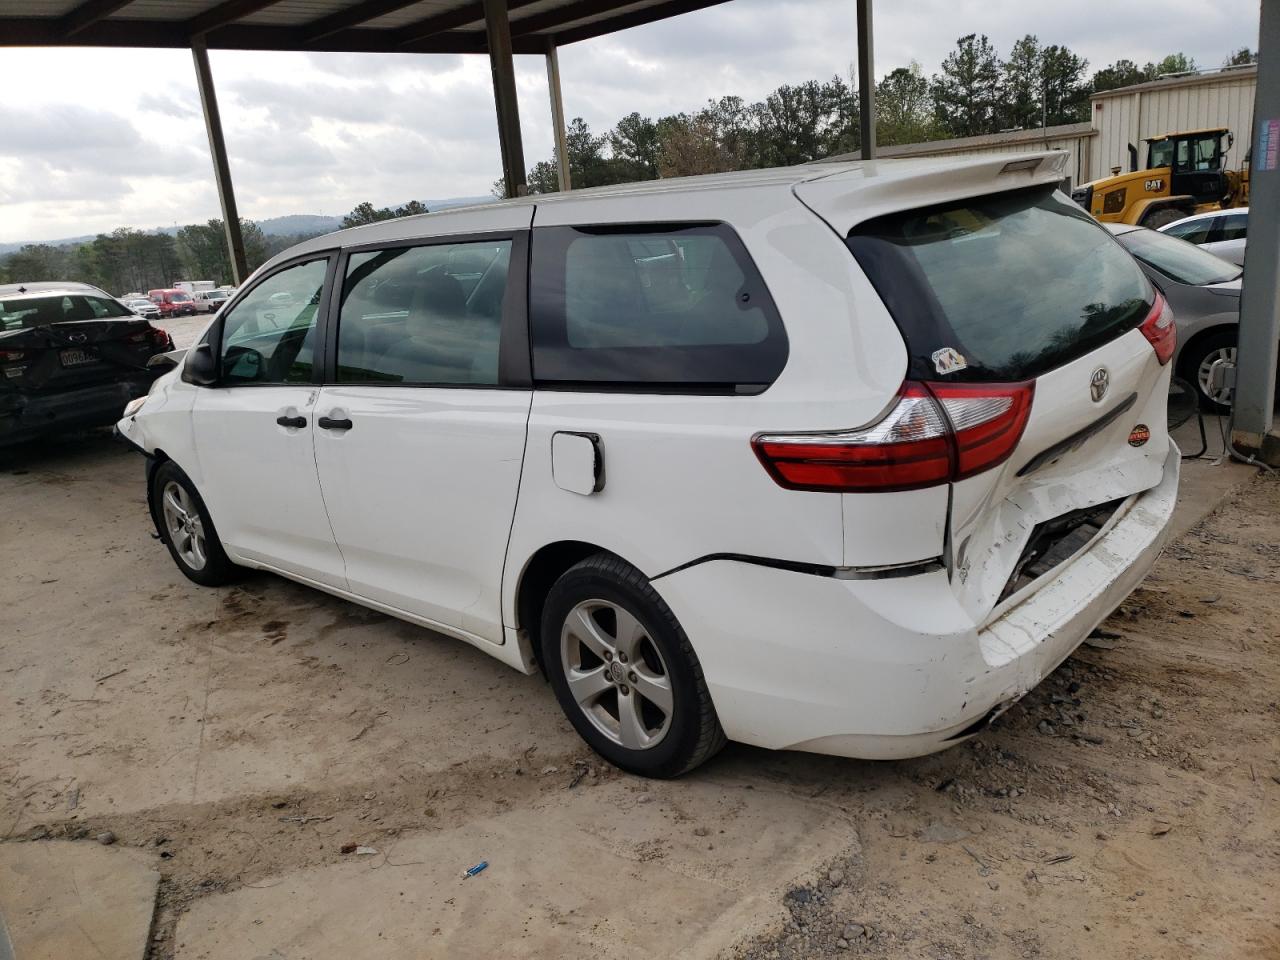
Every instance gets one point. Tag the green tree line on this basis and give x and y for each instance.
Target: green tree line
(975, 92)
(127, 260)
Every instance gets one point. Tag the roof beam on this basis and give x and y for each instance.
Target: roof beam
(354, 16)
(89, 13)
(559, 16)
(636, 18)
(451, 20)
(173, 34)
(225, 13)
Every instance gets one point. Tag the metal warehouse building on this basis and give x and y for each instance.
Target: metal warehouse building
(1219, 98)
(1223, 98)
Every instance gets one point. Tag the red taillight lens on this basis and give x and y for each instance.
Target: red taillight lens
(8, 355)
(162, 338)
(935, 433)
(1160, 329)
(987, 420)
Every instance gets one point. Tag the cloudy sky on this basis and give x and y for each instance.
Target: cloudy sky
(95, 139)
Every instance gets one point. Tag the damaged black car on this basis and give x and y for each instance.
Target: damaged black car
(71, 357)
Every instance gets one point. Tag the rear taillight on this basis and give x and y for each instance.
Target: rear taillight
(162, 338)
(935, 433)
(1160, 329)
(8, 356)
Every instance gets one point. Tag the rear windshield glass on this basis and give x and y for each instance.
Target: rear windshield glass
(1004, 287)
(42, 311)
(1178, 259)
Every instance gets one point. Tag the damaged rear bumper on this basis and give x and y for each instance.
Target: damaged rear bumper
(896, 668)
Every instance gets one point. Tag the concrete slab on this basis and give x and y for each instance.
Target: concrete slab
(1208, 480)
(603, 874)
(62, 900)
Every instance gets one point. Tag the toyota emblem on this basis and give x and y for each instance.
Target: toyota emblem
(1098, 384)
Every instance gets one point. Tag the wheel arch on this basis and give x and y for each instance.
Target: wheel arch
(543, 568)
(1187, 351)
(1144, 208)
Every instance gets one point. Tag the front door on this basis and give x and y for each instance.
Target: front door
(420, 438)
(255, 430)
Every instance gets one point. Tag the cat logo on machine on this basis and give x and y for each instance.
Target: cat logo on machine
(1153, 186)
(1139, 435)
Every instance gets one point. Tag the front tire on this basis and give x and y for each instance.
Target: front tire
(625, 673)
(1197, 366)
(188, 530)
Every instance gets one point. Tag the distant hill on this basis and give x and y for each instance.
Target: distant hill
(289, 225)
(296, 223)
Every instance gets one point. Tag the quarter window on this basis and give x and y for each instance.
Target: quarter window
(424, 315)
(661, 306)
(269, 336)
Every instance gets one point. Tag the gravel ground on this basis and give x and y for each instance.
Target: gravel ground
(247, 737)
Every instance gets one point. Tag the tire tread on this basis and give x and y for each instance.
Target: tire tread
(711, 738)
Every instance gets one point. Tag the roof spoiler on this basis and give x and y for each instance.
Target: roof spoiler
(874, 188)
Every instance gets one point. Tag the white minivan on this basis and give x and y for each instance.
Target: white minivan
(843, 457)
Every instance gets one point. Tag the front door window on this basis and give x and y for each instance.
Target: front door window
(269, 337)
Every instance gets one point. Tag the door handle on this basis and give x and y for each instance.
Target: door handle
(296, 422)
(324, 423)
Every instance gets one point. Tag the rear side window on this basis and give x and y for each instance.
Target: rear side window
(674, 307)
(1004, 287)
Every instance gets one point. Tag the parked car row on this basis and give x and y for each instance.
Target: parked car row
(825, 458)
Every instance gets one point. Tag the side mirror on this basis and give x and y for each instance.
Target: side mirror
(201, 367)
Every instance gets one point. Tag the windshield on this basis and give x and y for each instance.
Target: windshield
(1177, 259)
(1004, 287)
(178, 298)
(42, 311)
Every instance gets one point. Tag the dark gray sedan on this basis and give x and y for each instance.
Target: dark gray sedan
(1204, 291)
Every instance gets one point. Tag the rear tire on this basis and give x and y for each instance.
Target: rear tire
(625, 673)
(188, 530)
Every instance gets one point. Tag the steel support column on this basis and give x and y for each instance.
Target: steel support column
(221, 170)
(498, 31)
(1255, 393)
(557, 115)
(866, 81)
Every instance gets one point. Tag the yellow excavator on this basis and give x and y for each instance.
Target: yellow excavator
(1184, 175)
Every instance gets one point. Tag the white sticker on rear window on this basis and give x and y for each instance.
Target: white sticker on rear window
(948, 360)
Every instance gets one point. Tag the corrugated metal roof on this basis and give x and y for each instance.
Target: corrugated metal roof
(405, 26)
(1204, 77)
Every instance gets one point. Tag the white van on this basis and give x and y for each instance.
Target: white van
(843, 457)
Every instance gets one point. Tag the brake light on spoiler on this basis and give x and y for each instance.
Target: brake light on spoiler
(935, 433)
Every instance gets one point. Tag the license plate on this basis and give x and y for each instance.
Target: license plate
(73, 358)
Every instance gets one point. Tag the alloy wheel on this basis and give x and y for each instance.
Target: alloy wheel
(1204, 375)
(182, 521)
(616, 674)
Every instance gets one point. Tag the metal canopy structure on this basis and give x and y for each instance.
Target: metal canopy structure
(353, 26)
(499, 28)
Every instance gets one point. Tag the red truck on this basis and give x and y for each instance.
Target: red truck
(172, 302)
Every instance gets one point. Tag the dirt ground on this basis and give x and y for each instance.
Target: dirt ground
(247, 738)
